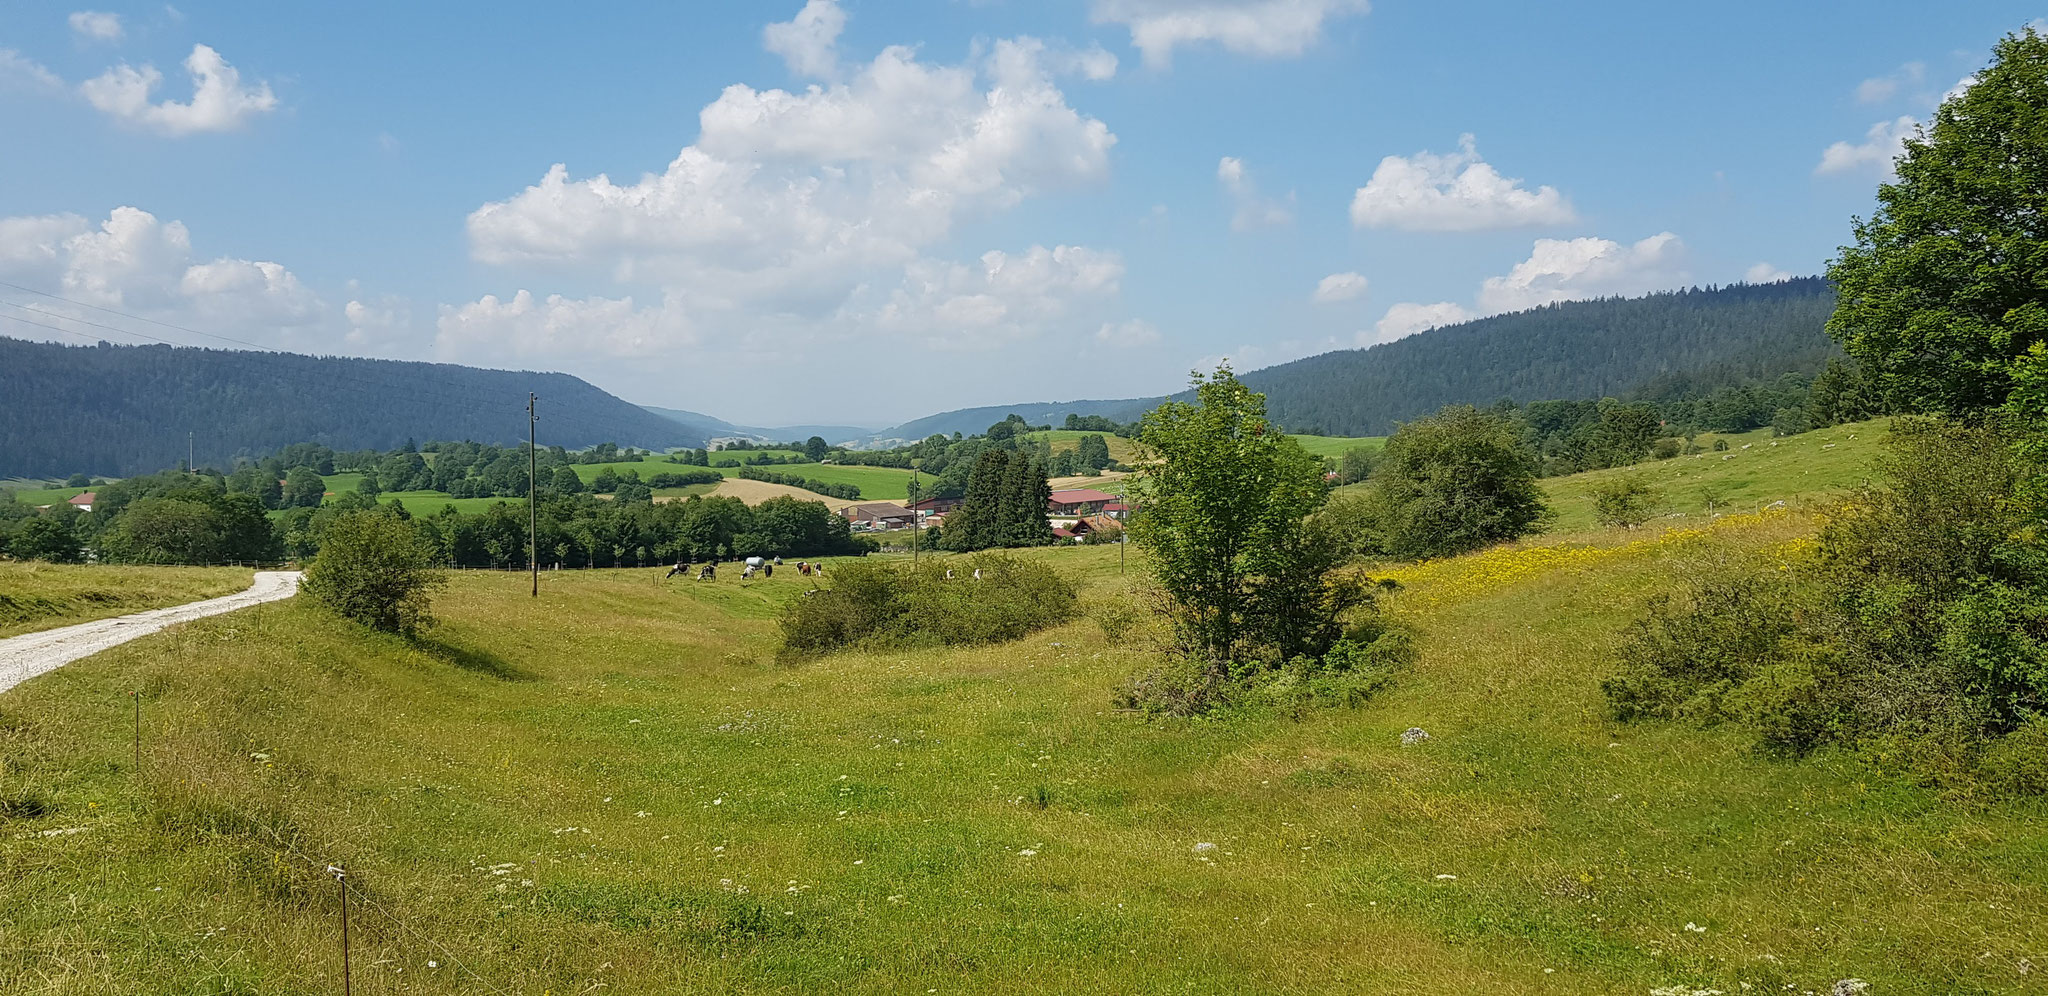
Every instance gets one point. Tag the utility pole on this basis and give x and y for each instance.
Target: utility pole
(191, 463)
(1123, 534)
(532, 514)
(916, 535)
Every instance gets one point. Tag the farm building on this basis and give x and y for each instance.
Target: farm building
(83, 502)
(1094, 524)
(1077, 502)
(935, 506)
(877, 515)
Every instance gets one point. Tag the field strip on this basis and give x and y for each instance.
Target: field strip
(24, 657)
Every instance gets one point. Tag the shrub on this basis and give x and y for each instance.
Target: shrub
(874, 603)
(1666, 447)
(1625, 501)
(377, 570)
(1453, 482)
(1918, 633)
(2017, 763)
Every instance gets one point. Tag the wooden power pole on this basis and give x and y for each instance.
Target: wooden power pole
(532, 513)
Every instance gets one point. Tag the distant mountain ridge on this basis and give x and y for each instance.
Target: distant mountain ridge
(1699, 338)
(714, 427)
(121, 410)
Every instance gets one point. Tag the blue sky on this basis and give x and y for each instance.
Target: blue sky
(862, 212)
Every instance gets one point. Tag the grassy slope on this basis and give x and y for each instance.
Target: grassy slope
(45, 496)
(875, 483)
(1336, 446)
(37, 596)
(672, 811)
(1812, 465)
(1121, 450)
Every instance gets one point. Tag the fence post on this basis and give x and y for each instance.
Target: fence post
(339, 876)
(137, 696)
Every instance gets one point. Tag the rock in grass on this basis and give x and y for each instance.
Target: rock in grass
(1413, 735)
(1849, 987)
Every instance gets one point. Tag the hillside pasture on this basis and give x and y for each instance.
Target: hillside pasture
(671, 810)
(1336, 446)
(1754, 471)
(756, 492)
(35, 596)
(42, 495)
(1121, 450)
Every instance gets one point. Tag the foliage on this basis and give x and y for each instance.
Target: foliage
(1005, 505)
(1455, 481)
(45, 537)
(846, 491)
(1357, 464)
(243, 403)
(1625, 501)
(376, 569)
(1946, 287)
(1921, 623)
(1248, 577)
(875, 603)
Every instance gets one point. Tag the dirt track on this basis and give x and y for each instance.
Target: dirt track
(24, 657)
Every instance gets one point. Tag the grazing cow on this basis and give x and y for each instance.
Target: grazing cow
(949, 574)
(680, 567)
(709, 573)
(749, 572)
(768, 571)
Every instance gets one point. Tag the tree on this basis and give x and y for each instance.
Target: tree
(567, 482)
(303, 488)
(606, 482)
(1625, 501)
(1453, 482)
(375, 569)
(815, 448)
(1946, 287)
(1005, 504)
(1357, 464)
(45, 537)
(1225, 526)
(1093, 452)
(78, 481)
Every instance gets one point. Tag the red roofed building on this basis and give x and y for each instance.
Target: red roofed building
(83, 502)
(1077, 502)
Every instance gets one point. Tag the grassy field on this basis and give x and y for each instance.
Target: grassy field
(616, 786)
(1121, 450)
(1755, 471)
(43, 495)
(1750, 474)
(1336, 446)
(875, 483)
(36, 596)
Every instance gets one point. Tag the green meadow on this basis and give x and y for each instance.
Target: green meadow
(37, 596)
(1337, 446)
(618, 787)
(1121, 450)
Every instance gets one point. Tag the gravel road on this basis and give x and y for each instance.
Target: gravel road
(24, 657)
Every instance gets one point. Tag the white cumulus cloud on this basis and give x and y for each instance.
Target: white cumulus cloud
(95, 25)
(1000, 298)
(1576, 269)
(1881, 144)
(556, 327)
(1765, 273)
(809, 41)
(134, 263)
(18, 70)
(1254, 210)
(1265, 28)
(219, 100)
(1458, 192)
(1878, 89)
(1407, 318)
(1340, 287)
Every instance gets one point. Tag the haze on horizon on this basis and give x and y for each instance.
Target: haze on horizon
(859, 212)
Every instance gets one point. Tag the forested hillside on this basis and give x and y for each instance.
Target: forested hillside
(1581, 349)
(121, 410)
(1663, 347)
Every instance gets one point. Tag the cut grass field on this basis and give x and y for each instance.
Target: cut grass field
(36, 596)
(1336, 446)
(875, 483)
(1121, 450)
(39, 495)
(617, 785)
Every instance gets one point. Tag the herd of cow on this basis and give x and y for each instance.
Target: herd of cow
(765, 566)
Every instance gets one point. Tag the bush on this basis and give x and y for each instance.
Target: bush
(1919, 632)
(1625, 501)
(45, 537)
(872, 603)
(377, 570)
(1666, 448)
(2017, 763)
(1454, 482)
